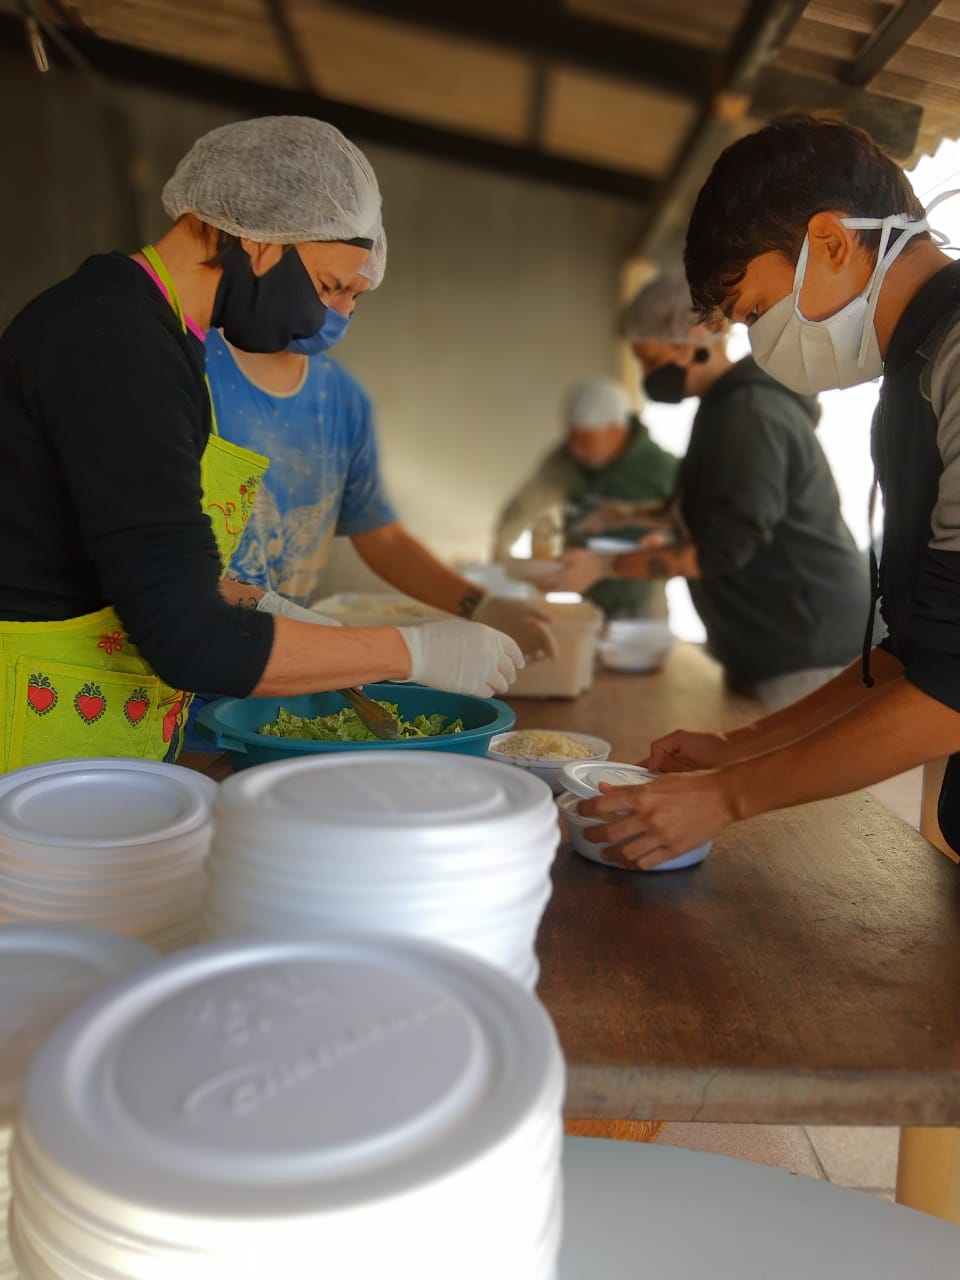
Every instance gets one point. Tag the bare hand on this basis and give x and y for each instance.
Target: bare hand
(659, 820)
(528, 624)
(579, 571)
(683, 751)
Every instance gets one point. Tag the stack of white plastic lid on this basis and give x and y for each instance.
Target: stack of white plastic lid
(352, 1106)
(118, 844)
(44, 971)
(453, 848)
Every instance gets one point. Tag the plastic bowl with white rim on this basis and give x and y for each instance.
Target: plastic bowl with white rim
(635, 645)
(607, 546)
(548, 768)
(581, 780)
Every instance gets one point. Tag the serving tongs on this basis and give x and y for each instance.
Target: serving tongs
(377, 719)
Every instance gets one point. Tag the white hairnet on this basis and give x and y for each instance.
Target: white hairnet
(278, 180)
(660, 312)
(376, 264)
(596, 403)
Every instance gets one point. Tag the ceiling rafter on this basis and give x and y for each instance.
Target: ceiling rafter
(303, 75)
(763, 30)
(888, 39)
(126, 64)
(546, 29)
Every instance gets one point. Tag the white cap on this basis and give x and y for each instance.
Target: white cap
(596, 403)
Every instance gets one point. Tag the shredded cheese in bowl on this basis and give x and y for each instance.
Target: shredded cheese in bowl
(541, 744)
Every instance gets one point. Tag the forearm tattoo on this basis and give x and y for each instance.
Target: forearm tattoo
(469, 603)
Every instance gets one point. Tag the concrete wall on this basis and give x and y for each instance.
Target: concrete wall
(499, 291)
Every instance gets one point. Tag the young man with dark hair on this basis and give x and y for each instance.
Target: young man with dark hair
(811, 236)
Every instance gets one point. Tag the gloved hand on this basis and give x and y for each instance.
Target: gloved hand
(528, 624)
(464, 657)
(281, 607)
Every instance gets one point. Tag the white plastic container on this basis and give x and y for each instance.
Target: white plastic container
(376, 609)
(348, 1107)
(45, 970)
(548, 768)
(433, 845)
(112, 843)
(577, 626)
(583, 780)
(636, 645)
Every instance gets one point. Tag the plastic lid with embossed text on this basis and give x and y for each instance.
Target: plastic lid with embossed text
(240, 1104)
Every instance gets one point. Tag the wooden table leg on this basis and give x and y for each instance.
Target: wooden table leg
(928, 1171)
(929, 826)
(621, 1130)
(928, 1167)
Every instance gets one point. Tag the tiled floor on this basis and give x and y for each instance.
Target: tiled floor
(852, 1157)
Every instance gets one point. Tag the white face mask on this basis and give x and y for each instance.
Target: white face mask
(820, 355)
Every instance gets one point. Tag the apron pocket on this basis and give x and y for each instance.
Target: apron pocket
(63, 712)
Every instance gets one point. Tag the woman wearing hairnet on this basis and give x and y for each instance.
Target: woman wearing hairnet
(124, 504)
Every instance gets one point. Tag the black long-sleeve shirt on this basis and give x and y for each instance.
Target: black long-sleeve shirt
(783, 586)
(916, 448)
(104, 416)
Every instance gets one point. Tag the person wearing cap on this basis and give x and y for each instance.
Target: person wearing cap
(315, 424)
(607, 463)
(811, 236)
(757, 531)
(124, 502)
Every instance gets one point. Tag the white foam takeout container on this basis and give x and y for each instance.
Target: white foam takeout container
(582, 781)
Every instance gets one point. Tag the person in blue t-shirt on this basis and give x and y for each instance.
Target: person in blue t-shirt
(314, 422)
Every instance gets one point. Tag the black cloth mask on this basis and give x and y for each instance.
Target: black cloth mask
(265, 313)
(667, 384)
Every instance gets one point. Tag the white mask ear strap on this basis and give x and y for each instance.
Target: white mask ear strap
(885, 260)
(801, 270)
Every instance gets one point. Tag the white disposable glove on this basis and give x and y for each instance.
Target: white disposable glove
(281, 607)
(527, 623)
(464, 657)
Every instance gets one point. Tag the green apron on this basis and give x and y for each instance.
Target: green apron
(80, 687)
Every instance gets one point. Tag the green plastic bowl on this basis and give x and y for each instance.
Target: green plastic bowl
(232, 723)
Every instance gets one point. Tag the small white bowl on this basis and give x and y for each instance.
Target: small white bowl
(577, 826)
(532, 570)
(635, 645)
(612, 546)
(549, 768)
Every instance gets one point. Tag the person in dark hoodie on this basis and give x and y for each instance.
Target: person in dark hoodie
(755, 524)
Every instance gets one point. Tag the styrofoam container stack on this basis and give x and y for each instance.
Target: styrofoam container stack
(112, 843)
(451, 848)
(45, 970)
(353, 1106)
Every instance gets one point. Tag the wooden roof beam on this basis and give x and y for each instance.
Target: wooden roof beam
(290, 43)
(763, 31)
(545, 29)
(126, 64)
(888, 39)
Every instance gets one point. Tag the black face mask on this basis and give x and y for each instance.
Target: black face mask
(667, 384)
(265, 313)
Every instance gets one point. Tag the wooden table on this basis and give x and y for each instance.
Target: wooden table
(807, 972)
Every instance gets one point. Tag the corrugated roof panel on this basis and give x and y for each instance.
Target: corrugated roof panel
(832, 41)
(610, 122)
(703, 23)
(232, 35)
(409, 71)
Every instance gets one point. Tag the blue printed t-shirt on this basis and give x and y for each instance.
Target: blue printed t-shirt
(323, 480)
